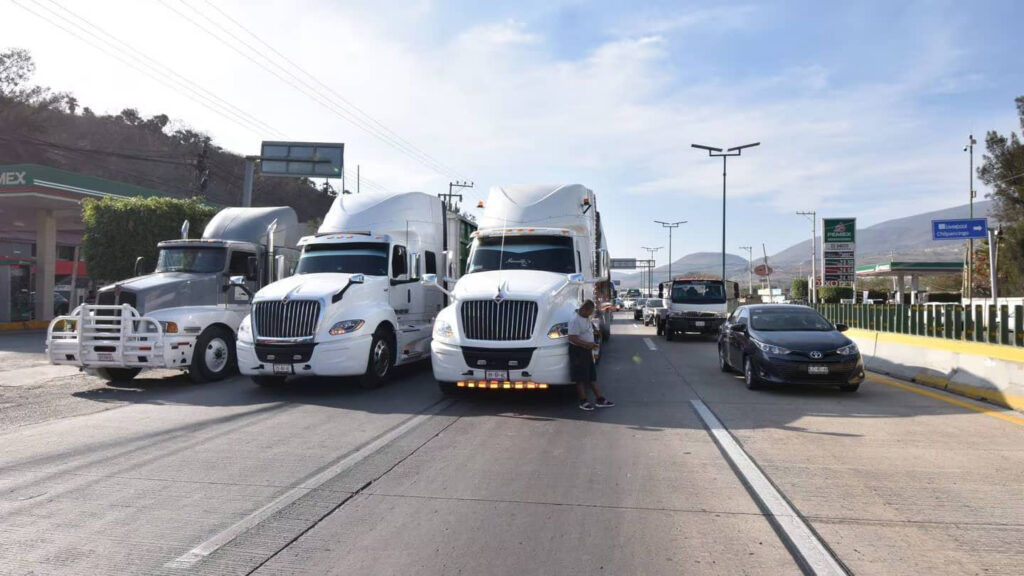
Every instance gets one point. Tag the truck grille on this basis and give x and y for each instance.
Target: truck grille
(506, 320)
(291, 319)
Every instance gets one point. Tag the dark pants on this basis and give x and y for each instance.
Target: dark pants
(581, 365)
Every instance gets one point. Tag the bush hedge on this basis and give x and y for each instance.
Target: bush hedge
(834, 294)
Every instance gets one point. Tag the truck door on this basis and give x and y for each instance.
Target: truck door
(238, 266)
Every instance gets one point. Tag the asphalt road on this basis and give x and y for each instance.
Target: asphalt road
(166, 477)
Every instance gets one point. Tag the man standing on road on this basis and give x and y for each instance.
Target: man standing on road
(581, 358)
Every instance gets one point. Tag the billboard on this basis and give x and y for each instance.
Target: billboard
(302, 159)
(838, 251)
(623, 263)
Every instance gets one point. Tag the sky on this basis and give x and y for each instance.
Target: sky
(862, 108)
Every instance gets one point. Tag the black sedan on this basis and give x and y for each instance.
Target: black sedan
(778, 343)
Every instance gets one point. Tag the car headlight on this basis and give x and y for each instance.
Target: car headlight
(345, 327)
(560, 330)
(443, 329)
(771, 348)
(848, 350)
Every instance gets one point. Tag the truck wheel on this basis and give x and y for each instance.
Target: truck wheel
(118, 374)
(448, 388)
(381, 359)
(214, 356)
(268, 381)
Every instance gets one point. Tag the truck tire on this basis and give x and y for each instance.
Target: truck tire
(214, 357)
(268, 381)
(118, 374)
(381, 359)
(448, 388)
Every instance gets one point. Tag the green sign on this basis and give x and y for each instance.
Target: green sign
(839, 230)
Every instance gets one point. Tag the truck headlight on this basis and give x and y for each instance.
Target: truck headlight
(345, 327)
(771, 348)
(245, 330)
(848, 350)
(560, 330)
(443, 330)
(169, 327)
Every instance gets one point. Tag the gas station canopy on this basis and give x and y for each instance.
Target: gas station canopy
(911, 269)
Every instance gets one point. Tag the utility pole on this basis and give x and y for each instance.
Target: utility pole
(650, 269)
(670, 226)
(714, 153)
(750, 269)
(813, 289)
(970, 243)
(447, 198)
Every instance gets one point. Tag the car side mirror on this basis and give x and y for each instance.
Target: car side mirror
(842, 327)
(738, 327)
(252, 268)
(140, 265)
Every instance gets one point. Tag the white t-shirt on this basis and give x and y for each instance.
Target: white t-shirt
(581, 328)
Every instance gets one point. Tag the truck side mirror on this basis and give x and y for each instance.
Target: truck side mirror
(252, 268)
(357, 279)
(239, 282)
(414, 266)
(575, 278)
(140, 265)
(429, 279)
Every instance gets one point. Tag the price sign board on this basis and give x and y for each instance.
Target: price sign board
(838, 251)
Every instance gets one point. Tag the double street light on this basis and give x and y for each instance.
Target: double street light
(715, 153)
(670, 226)
(650, 269)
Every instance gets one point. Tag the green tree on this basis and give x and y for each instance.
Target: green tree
(118, 230)
(798, 289)
(16, 67)
(1003, 170)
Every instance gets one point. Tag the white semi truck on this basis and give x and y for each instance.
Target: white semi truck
(356, 305)
(538, 254)
(184, 315)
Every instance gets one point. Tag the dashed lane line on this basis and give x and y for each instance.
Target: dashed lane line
(210, 546)
(650, 344)
(805, 545)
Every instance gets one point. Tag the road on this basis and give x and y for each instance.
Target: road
(162, 476)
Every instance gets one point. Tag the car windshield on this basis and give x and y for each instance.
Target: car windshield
(698, 292)
(545, 253)
(369, 258)
(787, 319)
(191, 259)
(656, 303)
(641, 303)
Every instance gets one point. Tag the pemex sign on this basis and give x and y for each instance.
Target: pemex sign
(838, 251)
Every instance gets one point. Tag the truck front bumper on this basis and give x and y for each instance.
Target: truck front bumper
(547, 365)
(102, 336)
(341, 357)
(694, 324)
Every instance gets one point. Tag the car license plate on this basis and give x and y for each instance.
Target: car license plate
(699, 323)
(105, 356)
(499, 375)
(282, 368)
(817, 369)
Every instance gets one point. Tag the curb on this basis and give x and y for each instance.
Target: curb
(27, 325)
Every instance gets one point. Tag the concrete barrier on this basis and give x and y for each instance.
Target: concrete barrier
(982, 371)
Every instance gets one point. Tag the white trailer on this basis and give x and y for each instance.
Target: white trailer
(185, 314)
(538, 254)
(355, 306)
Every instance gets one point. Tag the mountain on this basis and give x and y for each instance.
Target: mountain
(699, 263)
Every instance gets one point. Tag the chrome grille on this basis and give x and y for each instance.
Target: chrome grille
(506, 320)
(291, 319)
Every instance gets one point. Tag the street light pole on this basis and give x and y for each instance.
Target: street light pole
(750, 269)
(714, 153)
(650, 270)
(813, 289)
(670, 226)
(970, 243)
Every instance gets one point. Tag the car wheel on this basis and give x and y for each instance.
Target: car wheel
(723, 362)
(380, 361)
(448, 388)
(849, 387)
(268, 381)
(214, 356)
(118, 374)
(749, 377)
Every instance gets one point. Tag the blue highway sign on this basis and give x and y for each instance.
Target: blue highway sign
(960, 229)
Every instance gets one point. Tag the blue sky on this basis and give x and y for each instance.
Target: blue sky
(862, 108)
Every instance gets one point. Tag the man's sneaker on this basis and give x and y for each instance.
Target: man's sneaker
(586, 405)
(604, 403)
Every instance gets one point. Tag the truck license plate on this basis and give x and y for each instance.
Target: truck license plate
(817, 369)
(282, 368)
(699, 323)
(105, 356)
(499, 375)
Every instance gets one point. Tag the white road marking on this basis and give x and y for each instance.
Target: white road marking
(813, 553)
(650, 344)
(210, 546)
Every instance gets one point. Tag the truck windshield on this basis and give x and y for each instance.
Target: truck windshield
(370, 258)
(191, 259)
(698, 292)
(546, 253)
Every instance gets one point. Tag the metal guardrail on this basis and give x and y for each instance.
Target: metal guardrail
(990, 323)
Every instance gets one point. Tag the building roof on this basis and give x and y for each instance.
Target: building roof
(22, 178)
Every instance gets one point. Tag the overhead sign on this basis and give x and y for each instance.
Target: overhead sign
(298, 159)
(623, 263)
(838, 251)
(762, 270)
(960, 229)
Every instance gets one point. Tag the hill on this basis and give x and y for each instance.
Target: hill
(699, 263)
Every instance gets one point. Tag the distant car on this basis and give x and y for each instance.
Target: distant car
(782, 343)
(638, 309)
(655, 313)
(628, 303)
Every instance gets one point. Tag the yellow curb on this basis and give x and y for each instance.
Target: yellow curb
(997, 351)
(29, 325)
(1013, 419)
